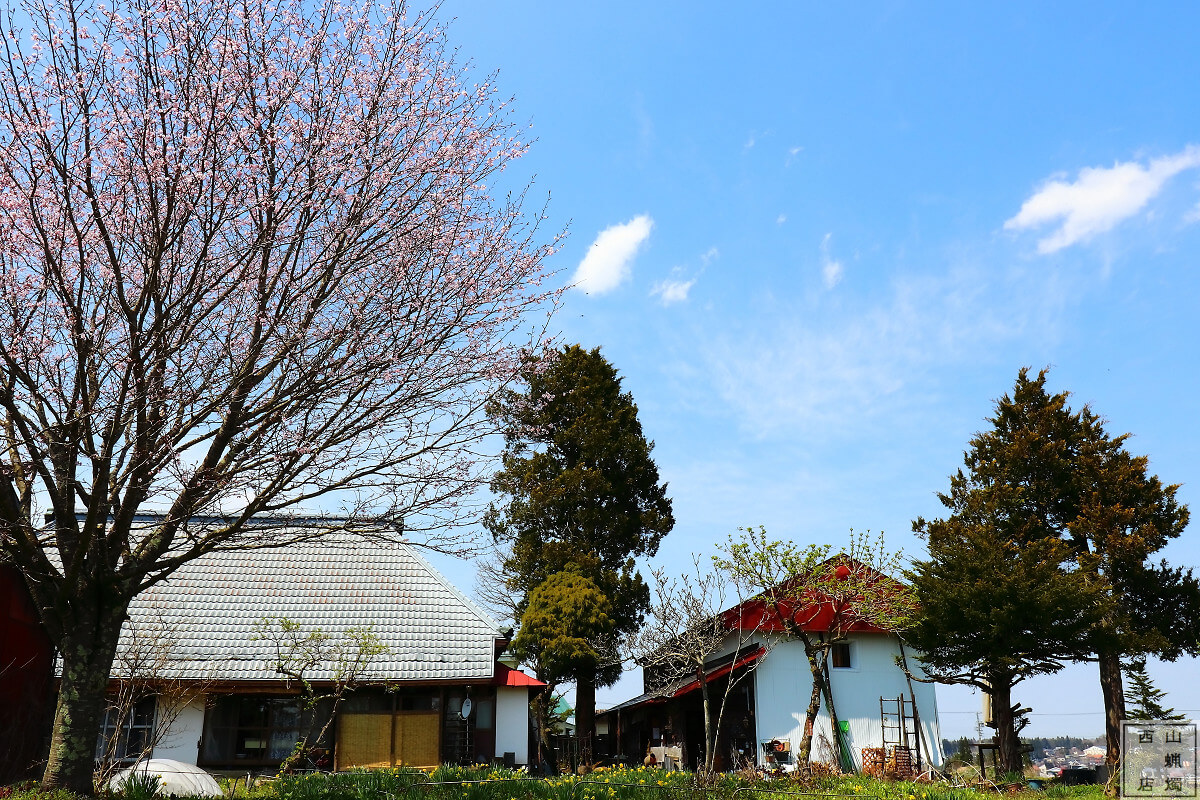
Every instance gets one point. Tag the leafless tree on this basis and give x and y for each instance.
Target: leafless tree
(339, 661)
(685, 630)
(146, 668)
(804, 594)
(494, 589)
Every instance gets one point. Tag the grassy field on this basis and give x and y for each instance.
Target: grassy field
(483, 783)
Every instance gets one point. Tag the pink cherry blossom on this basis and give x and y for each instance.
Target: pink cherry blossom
(254, 258)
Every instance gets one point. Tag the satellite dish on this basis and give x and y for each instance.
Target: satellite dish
(465, 711)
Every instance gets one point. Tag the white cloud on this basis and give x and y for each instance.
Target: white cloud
(832, 271)
(782, 218)
(609, 261)
(1193, 215)
(672, 291)
(675, 289)
(804, 367)
(831, 268)
(1098, 199)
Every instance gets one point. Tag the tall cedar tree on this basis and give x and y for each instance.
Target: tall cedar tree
(1079, 485)
(581, 489)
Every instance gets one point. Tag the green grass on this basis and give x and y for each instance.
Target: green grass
(640, 783)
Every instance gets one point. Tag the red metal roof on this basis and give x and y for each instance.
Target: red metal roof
(507, 676)
(719, 672)
(813, 610)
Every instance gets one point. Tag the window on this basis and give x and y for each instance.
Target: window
(126, 734)
(372, 700)
(840, 655)
(255, 730)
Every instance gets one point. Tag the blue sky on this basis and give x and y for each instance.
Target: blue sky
(818, 241)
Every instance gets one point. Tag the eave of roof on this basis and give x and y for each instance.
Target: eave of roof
(507, 676)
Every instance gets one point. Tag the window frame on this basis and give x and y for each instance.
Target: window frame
(216, 734)
(141, 719)
(836, 650)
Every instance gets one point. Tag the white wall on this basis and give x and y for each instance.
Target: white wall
(783, 685)
(512, 722)
(181, 740)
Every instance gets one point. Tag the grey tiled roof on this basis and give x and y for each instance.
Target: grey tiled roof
(204, 614)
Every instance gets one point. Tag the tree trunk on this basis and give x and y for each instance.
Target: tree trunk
(541, 719)
(87, 649)
(542, 708)
(710, 736)
(814, 706)
(1113, 691)
(845, 760)
(585, 716)
(1008, 746)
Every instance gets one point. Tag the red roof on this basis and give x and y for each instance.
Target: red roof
(719, 672)
(814, 610)
(507, 676)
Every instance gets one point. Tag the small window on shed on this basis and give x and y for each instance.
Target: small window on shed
(840, 655)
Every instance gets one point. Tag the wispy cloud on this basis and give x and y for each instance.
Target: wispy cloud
(1098, 199)
(831, 268)
(806, 367)
(782, 218)
(609, 261)
(755, 136)
(675, 289)
(672, 291)
(1193, 215)
(791, 155)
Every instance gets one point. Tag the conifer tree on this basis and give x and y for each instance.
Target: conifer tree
(997, 606)
(964, 751)
(1069, 480)
(581, 489)
(1144, 696)
(567, 632)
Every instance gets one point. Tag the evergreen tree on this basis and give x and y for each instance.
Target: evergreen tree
(1145, 697)
(1073, 482)
(566, 632)
(581, 489)
(997, 606)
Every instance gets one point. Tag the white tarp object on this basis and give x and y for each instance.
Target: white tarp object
(175, 778)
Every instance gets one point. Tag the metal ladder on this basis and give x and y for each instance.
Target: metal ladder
(901, 725)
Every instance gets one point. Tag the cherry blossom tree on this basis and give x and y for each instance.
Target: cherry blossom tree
(254, 260)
